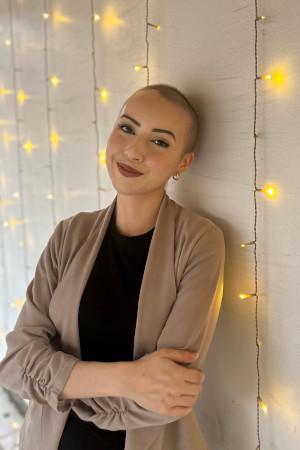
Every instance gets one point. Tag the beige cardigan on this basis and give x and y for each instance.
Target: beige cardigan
(179, 304)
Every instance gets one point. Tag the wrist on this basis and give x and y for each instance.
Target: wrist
(126, 378)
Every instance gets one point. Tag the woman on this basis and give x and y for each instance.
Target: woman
(97, 347)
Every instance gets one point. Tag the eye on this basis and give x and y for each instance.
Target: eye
(165, 143)
(126, 126)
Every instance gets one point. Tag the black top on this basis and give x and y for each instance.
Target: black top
(107, 320)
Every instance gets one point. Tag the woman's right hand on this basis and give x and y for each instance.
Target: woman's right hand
(162, 386)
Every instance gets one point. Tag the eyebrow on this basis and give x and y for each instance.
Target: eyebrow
(153, 129)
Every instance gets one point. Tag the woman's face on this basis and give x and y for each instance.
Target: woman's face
(156, 154)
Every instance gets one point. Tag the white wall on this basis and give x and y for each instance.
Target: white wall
(207, 50)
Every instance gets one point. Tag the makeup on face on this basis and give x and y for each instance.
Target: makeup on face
(126, 172)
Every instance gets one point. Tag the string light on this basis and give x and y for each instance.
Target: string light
(247, 243)
(53, 136)
(261, 18)
(244, 296)
(258, 342)
(277, 76)
(16, 425)
(12, 223)
(102, 157)
(54, 80)
(7, 42)
(157, 27)
(139, 67)
(17, 303)
(4, 91)
(110, 19)
(260, 405)
(29, 146)
(103, 93)
(267, 76)
(269, 190)
(55, 139)
(59, 17)
(21, 97)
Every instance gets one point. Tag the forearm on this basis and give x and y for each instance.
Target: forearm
(97, 379)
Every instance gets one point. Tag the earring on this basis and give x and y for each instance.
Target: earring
(176, 177)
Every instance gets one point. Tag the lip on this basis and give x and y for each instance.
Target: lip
(127, 170)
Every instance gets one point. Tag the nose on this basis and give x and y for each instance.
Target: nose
(135, 152)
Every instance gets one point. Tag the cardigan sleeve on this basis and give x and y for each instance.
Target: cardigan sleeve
(31, 367)
(190, 325)
(193, 319)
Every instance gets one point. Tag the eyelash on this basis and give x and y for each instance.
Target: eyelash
(124, 125)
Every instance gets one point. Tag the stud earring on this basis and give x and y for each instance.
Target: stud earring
(176, 177)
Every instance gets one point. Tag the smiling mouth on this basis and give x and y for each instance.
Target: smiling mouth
(129, 169)
(127, 173)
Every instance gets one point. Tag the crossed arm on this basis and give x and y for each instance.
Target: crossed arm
(35, 370)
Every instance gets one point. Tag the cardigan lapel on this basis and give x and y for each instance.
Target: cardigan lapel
(156, 297)
(158, 287)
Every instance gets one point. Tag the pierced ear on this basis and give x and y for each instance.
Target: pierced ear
(189, 159)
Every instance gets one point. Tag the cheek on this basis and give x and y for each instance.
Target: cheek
(114, 143)
(160, 163)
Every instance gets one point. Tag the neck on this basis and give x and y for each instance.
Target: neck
(137, 214)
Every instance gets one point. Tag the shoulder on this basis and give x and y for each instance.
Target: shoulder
(77, 227)
(84, 219)
(195, 229)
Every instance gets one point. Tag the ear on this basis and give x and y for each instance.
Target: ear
(186, 161)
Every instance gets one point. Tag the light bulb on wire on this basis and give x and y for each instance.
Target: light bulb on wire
(55, 138)
(103, 95)
(54, 80)
(4, 91)
(263, 406)
(21, 97)
(245, 244)
(269, 190)
(261, 18)
(139, 67)
(157, 27)
(28, 146)
(243, 296)
(102, 157)
(267, 76)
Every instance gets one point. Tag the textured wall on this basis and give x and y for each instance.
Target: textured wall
(207, 50)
